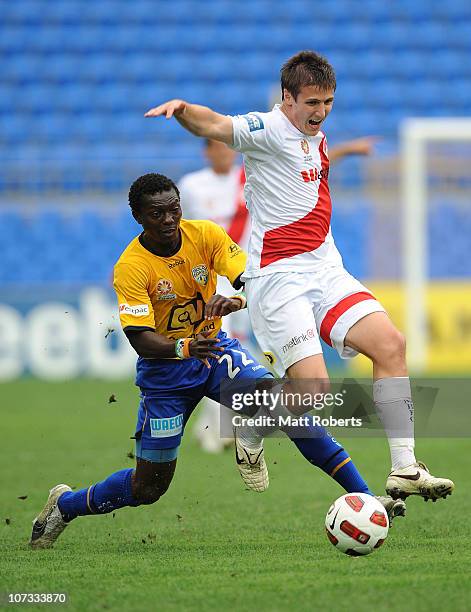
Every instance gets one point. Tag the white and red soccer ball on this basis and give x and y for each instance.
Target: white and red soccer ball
(357, 524)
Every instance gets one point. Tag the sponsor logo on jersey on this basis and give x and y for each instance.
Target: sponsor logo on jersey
(270, 357)
(313, 174)
(178, 262)
(234, 249)
(295, 340)
(305, 146)
(208, 327)
(254, 122)
(139, 310)
(200, 274)
(166, 427)
(189, 313)
(165, 290)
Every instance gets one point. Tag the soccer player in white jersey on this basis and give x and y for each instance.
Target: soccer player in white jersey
(295, 280)
(216, 193)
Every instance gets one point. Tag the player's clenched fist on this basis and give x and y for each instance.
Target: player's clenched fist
(203, 347)
(173, 107)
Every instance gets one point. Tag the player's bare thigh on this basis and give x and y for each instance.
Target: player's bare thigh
(309, 367)
(376, 337)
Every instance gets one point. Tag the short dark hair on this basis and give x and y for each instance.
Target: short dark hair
(148, 184)
(306, 68)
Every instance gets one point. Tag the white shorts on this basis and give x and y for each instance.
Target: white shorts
(290, 310)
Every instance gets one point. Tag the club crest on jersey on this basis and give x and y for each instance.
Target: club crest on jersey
(305, 146)
(200, 274)
(165, 290)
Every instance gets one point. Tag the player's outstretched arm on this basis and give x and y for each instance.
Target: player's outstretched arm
(359, 146)
(199, 120)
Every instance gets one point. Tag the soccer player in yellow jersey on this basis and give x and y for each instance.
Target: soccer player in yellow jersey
(165, 281)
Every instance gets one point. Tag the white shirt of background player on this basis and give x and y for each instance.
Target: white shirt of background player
(215, 193)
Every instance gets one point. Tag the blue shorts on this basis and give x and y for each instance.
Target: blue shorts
(171, 389)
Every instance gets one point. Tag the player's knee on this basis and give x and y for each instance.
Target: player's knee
(397, 344)
(149, 490)
(149, 493)
(392, 347)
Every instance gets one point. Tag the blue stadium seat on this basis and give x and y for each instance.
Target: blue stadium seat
(11, 226)
(14, 131)
(19, 68)
(429, 95)
(457, 10)
(362, 65)
(38, 98)
(453, 64)
(405, 65)
(14, 12)
(384, 93)
(350, 228)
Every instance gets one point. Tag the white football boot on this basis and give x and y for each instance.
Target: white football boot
(49, 524)
(252, 466)
(394, 507)
(417, 480)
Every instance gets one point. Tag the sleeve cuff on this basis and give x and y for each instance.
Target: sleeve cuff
(136, 328)
(238, 283)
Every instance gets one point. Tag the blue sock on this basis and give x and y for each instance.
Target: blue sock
(322, 450)
(101, 498)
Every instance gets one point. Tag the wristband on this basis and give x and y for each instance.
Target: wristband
(182, 348)
(186, 347)
(242, 299)
(179, 348)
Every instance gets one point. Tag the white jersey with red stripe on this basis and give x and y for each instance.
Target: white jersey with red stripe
(207, 195)
(204, 194)
(287, 194)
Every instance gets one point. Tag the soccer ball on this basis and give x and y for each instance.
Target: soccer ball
(357, 524)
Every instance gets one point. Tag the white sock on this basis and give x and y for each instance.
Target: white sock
(249, 437)
(393, 402)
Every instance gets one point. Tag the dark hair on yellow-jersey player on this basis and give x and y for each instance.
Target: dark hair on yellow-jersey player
(149, 184)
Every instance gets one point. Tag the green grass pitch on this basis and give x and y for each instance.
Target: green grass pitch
(208, 544)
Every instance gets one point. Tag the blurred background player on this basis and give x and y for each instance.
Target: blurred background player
(216, 192)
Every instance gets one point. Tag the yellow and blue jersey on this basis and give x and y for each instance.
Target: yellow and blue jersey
(168, 294)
